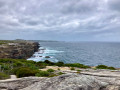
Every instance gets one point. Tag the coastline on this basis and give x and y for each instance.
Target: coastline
(37, 75)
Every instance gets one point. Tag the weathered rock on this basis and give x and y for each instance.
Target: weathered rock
(63, 82)
(68, 82)
(18, 83)
(71, 81)
(47, 57)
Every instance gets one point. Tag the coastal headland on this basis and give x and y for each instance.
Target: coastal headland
(17, 49)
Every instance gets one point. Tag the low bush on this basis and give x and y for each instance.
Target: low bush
(50, 70)
(104, 67)
(49, 62)
(41, 64)
(52, 75)
(25, 72)
(72, 68)
(60, 73)
(79, 70)
(59, 69)
(42, 74)
(111, 68)
(59, 64)
(18, 64)
(77, 65)
(4, 76)
(5, 67)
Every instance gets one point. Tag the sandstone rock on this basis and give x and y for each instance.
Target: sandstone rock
(68, 82)
(18, 83)
(71, 81)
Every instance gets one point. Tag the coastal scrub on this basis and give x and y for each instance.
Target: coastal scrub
(105, 67)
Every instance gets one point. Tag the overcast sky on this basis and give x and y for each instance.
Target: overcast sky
(65, 20)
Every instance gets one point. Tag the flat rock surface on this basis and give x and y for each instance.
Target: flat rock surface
(20, 83)
(86, 80)
(106, 73)
(68, 82)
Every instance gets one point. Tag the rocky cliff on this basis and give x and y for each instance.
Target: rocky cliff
(18, 49)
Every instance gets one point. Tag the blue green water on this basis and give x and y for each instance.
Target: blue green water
(88, 53)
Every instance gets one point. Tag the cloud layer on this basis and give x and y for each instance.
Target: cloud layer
(78, 20)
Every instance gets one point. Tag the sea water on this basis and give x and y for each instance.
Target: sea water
(88, 53)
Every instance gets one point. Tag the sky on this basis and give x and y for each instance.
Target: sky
(61, 20)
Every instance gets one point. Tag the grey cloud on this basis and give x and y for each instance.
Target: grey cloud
(61, 17)
(79, 6)
(1, 4)
(29, 21)
(114, 4)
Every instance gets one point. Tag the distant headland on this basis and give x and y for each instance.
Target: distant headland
(17, 49)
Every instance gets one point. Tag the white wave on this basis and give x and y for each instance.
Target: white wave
(42, 53)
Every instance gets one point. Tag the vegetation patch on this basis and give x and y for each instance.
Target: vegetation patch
(79, 70)
(50, 70)
(24, 68)
(77, 65)
(105, 67)
(43, 74)
(72, 68)
(4, 76)
(60, 73)
(59, 64)
(25, 72)
(5, 41)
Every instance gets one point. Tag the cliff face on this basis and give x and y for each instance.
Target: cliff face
(18, 49)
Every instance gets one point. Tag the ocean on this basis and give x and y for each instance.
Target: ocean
(88, 53)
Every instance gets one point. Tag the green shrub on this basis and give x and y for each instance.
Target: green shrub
(41, 64)
(13, 71)
(32, 66)
(18, 64)
(111, 68)
(42, 74)
(104, 67)
(59, 69)
(25, 72)
(60, 64)
(52, 75)
(72, 68)
(5, 67)
(32, 62)
(50, 70)
(49, 62)
(60, 73)
(4, 76)
(79, 70)
(77, 65)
